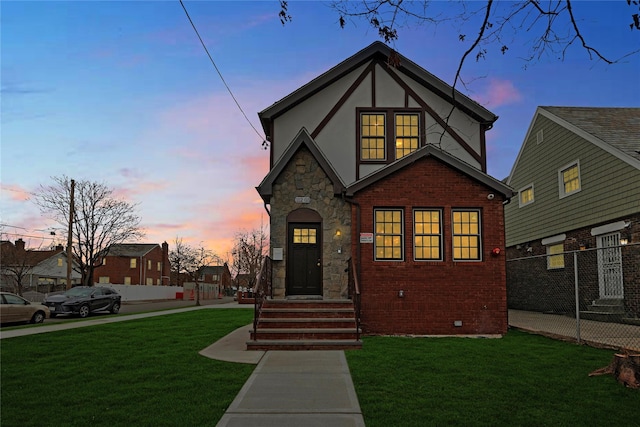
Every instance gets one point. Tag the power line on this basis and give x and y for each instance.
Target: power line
(222, 78)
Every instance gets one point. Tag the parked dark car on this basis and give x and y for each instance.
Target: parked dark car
(83, 300)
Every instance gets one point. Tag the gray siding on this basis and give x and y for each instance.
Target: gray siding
(610, 188)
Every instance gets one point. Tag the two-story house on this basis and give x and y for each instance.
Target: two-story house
(379, 162)
(578, 180)
(135, 264)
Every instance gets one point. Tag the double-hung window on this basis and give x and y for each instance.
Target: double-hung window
(525, 196)
(427, 234)
(389, 234)
(569, 179)
(555, 258)
(466, 235)
(387, 135)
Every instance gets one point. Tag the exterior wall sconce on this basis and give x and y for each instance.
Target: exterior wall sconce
(584, 245)
(338, 234)
(401, 293)
(624, 241)
(496, 251)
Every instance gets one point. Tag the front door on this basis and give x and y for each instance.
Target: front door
(610, 266)
(304, 263)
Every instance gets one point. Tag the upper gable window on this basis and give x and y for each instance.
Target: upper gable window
(569, 179)
(525, 196)
(407, 134)
(386, 135)
(372, 143)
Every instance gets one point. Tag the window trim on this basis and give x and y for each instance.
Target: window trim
(533, 195)
(479, 235)
(440, 235)
(561, 191)
(402, 235)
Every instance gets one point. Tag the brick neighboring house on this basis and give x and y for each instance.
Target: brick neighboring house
(217, 275)
(135, 264)
(578, 179)
(364, 167)
(41, 270)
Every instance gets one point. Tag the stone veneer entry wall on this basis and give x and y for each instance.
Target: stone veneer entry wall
(303, 177)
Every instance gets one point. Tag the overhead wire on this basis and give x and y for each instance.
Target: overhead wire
(221, 77)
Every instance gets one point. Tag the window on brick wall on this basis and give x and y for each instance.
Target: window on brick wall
(389, 234)
(148, 264)
(159, 266)
(149, 281)
(466, 235)
(127, 280)
(555, 258)
(103, 279)
(133, 262)
(427, 234)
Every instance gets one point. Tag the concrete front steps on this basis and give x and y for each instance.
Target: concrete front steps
(605, 310)
(306, 325)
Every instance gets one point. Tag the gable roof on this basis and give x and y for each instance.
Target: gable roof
(214, 269)
(614, 130)
(27, 257)
(382, 52)
(303, 139)
(130, 249)
(431, 150)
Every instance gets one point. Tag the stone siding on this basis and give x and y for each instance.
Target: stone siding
(303, 177)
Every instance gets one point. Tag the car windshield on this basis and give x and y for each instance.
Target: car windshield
(79, 292)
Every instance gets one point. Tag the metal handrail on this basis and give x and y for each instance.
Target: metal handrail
(263, 290)
(354, 292)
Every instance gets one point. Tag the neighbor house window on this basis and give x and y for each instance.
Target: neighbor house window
(103, 279)
(427, 235)
(466, 235)
(569, 179)
(372, 136)
(388, 234)
(407, 131)
(59, 262)
(127, 280)
(526, 196)
(133, 263)
(555, 258)
(149, 281)
(159, 266)
(148, 264)
(304, 235)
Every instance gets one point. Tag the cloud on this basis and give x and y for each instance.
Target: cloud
(15, 192)
(499, 93)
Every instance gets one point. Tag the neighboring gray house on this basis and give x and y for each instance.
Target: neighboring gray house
(578, 181)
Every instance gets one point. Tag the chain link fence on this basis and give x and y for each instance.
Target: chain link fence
(589, 296)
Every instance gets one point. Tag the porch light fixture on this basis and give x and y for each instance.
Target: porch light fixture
(624, 241)
(401, 293)
(338, 233)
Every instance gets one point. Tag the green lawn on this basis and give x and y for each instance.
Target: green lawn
(519, 380)
(147, 372)
(144, 372)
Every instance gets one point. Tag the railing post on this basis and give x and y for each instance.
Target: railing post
(576, 283)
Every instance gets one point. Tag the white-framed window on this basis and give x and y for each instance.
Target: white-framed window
(427, 234)
(466, 229)
(389, 235)
(525, 196)
(539, 137)
(569, 179)
(127, 280)
(555, 258)
(133, 262)
(103, 279)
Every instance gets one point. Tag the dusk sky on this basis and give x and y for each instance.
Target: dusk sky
(123, 93)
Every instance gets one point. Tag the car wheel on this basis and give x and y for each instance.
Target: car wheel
(84, 311)
(38, 317)
(115, 308)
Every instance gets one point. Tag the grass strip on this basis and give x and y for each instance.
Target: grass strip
(144, 372)
(519, 380)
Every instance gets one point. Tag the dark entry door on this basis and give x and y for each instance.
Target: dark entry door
(304, 264)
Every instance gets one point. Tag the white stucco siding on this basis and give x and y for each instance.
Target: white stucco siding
(310, 112)
(446, 142)
(337, 140)
(388, 92)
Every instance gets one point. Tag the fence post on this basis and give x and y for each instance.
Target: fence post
(576, 282)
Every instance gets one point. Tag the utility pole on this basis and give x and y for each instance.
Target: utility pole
(70, 234)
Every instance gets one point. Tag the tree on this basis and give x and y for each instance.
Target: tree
(99, 219)
(249, 250)
(547, 27)
(190, 261)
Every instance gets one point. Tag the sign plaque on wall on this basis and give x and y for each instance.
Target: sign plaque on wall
(305, 199)
(366, 237)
